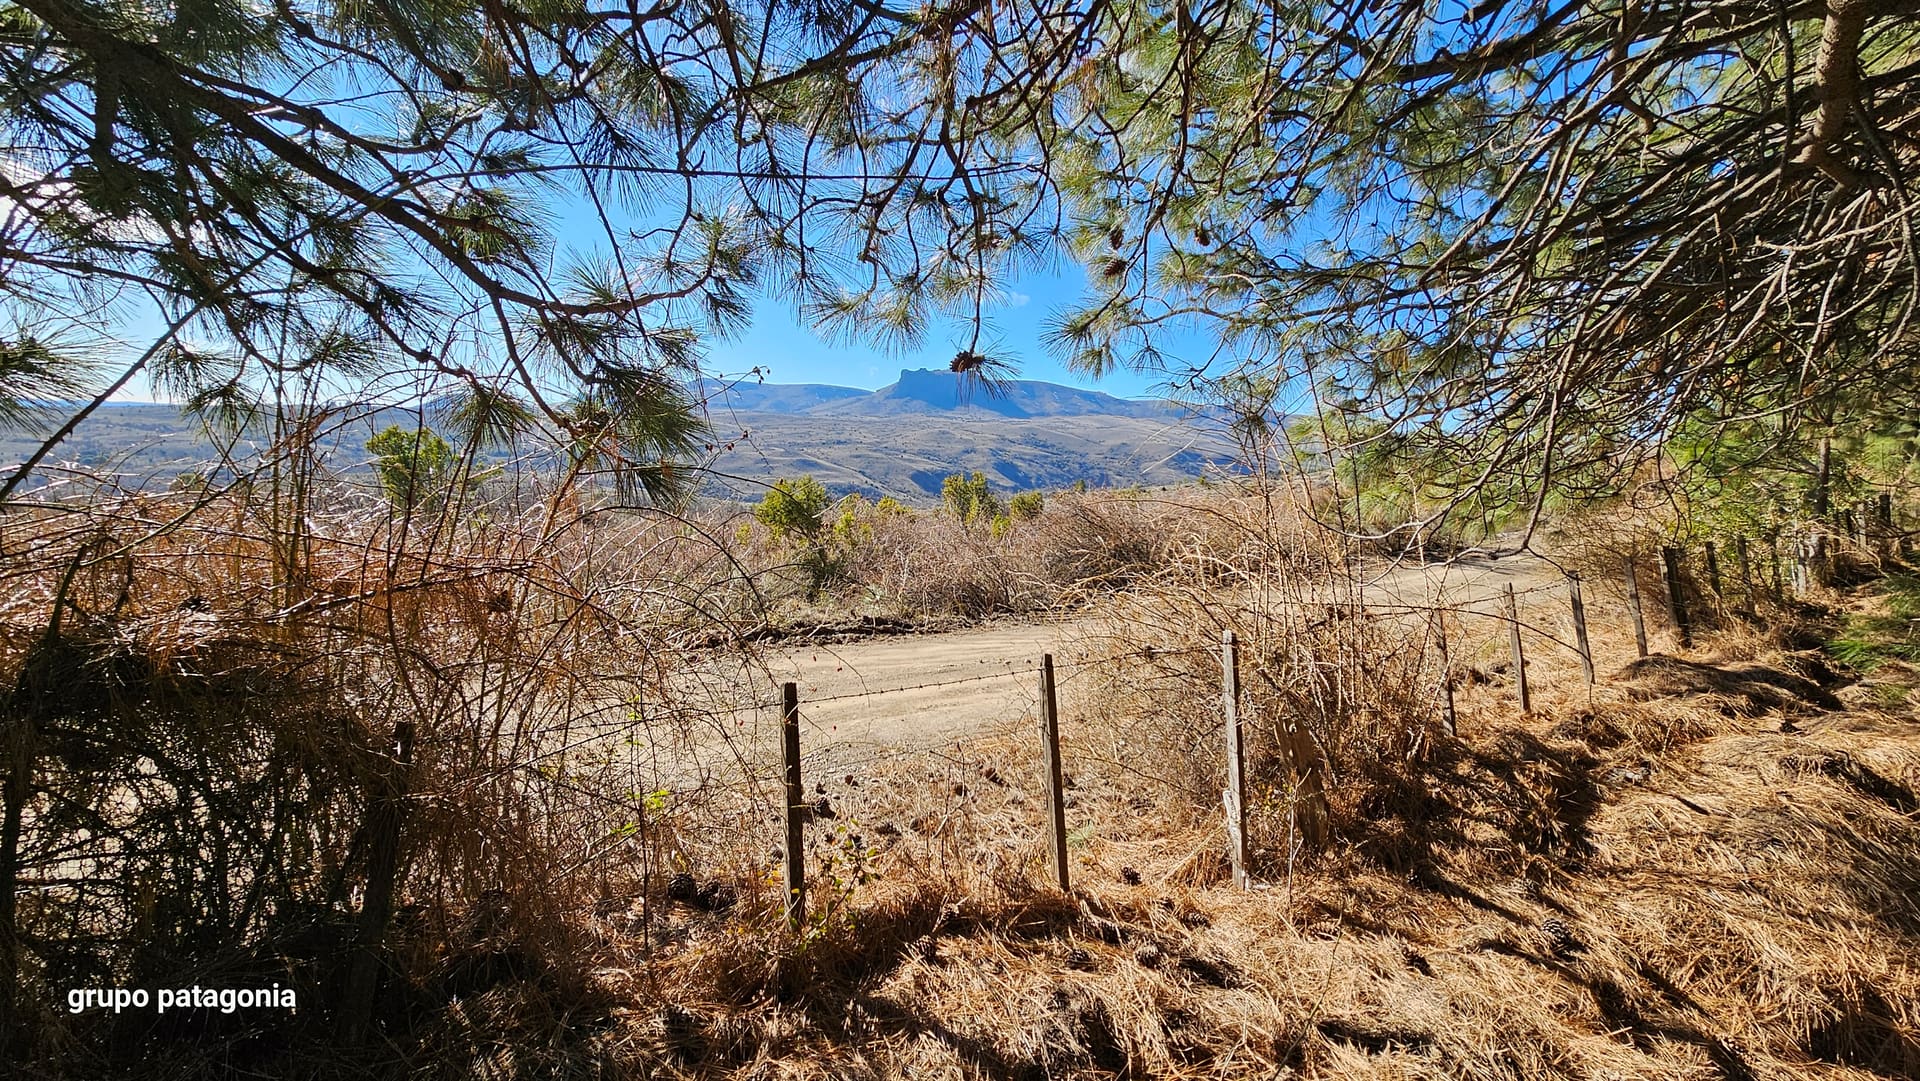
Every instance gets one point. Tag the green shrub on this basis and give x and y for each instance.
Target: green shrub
(794, 506)
(413, 466)
(969, 498)
(794, 511)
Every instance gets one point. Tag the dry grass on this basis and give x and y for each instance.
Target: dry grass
(1704, 866)
(926, 566)
(1653, 881)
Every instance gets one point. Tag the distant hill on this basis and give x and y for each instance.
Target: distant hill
(149, 445)
(773, 397)
(922, 391)
(907, 456)
(901, 440)
(904, 439)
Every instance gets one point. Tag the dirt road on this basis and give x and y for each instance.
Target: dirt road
(903, 691)
(899, 692)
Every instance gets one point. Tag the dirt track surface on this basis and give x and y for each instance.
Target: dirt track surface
(886, 692)
(904, 691)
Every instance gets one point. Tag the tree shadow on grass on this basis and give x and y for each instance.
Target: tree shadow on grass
(1749, 689)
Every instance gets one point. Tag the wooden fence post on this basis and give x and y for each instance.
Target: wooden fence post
(1633, 607)
(1742, 556)
(795, 877)
(385, 818)
(1056, 796)
(1713, 568)
(1519, 655)
(1676, 597)
(1580, 626)
(1439, 624)
(1234, 797)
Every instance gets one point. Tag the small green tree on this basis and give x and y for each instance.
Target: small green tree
(1026, 506)
(969, 499)
(794, 506)
(413, 466)
(853, 526)
(794, 511)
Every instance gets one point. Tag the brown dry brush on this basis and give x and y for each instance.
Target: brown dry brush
(1700, 868)
(926, 566)
(1339, 694)
(381, 764)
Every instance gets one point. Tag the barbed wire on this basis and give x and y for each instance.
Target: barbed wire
(637, 721)
(1068, 668)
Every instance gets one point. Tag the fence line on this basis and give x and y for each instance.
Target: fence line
(797, 810)
(627, 725)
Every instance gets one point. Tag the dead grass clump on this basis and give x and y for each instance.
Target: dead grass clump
(1734, 690)
(1342, 703)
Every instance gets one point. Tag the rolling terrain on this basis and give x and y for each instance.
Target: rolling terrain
(901, 440)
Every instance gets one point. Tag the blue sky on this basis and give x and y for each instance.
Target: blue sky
(791, 353)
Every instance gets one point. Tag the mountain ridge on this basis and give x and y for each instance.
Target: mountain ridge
(901, 440)
(923, 391)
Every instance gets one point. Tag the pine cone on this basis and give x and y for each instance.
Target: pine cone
(717, 896)
(1560, 938)
(681, 887)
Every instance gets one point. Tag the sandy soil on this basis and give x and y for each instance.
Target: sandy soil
(876, 693)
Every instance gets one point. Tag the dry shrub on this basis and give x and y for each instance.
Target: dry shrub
(1337, 697)
(374, 760)
(926, 566)
(930, 564)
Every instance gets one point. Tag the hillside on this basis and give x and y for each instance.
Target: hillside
(907, 456)
(921, 392)
(900, 440)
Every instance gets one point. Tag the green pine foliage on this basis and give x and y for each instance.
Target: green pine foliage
(793, 507)
(969, 498)
(413, 466)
